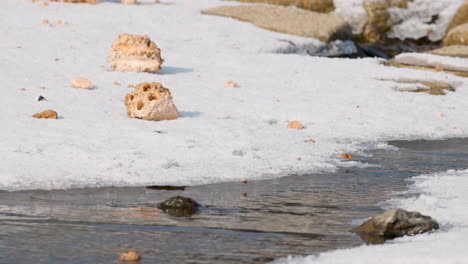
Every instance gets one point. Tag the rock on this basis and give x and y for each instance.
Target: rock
(231, 84)
(452, 51)
(304, 23)
(461, 17)
(48, 114)
(77, 1)
(394, 223)
(346, 156)
(379, 21)
(130, 256)
(179, 206)
(151, 101)
(60, 22)
(133, 53)
(129, 2)
(295, 125)
(81, 83)
(323, 6)
(457, 36)
(40, 98)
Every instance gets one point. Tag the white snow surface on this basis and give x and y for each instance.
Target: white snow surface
(432, 60)
(95, 143)
(443, 196)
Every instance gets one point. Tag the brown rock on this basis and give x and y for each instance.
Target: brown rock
(323, 6)
(60, 22)
(46, 22)
(295, 125)
(304, 23)
(346, 156)
(457, 36)
(151, 101)
(379, 21)
(48, 114)
(130, 256)
(133, 53)
(230, 84)
(129, 2)
(461, 17)
(395, 223)
(81, 83)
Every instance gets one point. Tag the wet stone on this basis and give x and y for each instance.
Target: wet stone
(394, 223)
(179, 206)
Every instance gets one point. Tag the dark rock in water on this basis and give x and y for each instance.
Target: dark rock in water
(179, 206)
(394, 223)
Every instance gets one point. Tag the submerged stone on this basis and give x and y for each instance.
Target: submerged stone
(179, 206)
(394, 223)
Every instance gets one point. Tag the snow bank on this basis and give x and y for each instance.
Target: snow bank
(442, 196)
(224, 134)
(431, 60)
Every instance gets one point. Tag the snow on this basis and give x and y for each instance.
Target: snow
(432, 60)
(442, 196)
(416, 19)
(94, 142)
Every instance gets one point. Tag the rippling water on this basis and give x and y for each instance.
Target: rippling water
(240, 223)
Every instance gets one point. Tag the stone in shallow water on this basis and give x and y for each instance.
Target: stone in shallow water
(394, 223)
(288, 20)
(179, 206)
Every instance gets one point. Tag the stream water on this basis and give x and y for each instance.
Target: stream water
(240, 223)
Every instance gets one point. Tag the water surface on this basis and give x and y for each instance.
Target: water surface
(240, 223)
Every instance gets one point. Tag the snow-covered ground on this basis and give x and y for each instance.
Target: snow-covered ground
(224, 134)
(442, 196)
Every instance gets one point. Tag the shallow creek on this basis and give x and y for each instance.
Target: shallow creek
(240, 223)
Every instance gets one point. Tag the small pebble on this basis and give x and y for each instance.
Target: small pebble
(116, 83)
(309, 141)
(230, 84)
(346, 156)
(60, 22)
(295, 125)
(130, 256)
(47, 114)
(81, 83)
(439, 69)
(40, 98)
(46, 22)
(244, 181)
